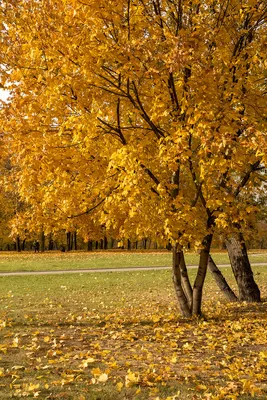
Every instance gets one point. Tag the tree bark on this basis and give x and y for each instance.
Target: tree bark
(221, 281)
(89, 245)
(201, 275)
(186, 285)
(181, 297)
(248, 289)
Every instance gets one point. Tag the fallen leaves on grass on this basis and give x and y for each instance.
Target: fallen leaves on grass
(142, 350)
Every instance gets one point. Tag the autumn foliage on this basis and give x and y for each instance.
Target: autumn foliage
(142, 118)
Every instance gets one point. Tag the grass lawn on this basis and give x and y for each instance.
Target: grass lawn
(118, 336)
(28, 261)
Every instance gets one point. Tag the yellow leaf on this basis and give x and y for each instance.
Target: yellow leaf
(131, 379)
(119, 386)
(103, 378)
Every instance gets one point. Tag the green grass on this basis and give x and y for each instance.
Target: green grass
(127, 323)
(29, 261)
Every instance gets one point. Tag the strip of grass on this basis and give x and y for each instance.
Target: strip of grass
(119, 336)
(81, 260)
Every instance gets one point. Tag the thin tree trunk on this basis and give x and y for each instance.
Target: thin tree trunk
(68, 241)
(51, 242)
(181, 297)
(105, 243)
(18, 244)
(186, 285)
(42, 242)
(221, 281)
(23, 244)
(89, 245)
(248, 289)
(75, 240)
(201, 275)
(96, 244)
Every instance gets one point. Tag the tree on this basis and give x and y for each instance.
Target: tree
(159, 98)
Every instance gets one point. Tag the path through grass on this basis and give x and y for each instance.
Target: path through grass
(29, 261)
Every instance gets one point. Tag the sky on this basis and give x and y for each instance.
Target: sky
(3, 94)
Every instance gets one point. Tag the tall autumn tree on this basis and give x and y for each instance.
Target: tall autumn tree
(159, 106)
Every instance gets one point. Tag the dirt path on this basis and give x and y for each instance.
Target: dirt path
(93, 271)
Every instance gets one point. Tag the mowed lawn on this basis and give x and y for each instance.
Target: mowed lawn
(28, 261)
(115, 336)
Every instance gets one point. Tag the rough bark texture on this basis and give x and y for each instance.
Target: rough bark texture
(181, 297)
(201, 274)
(221, 281)
(248, 289)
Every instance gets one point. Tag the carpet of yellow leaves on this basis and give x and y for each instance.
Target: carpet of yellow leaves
(69, 347)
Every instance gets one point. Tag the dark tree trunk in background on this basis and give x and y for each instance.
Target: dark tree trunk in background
(129, 244)
(96, 245)
(68, 241)
(221, 281)
(89, 245)
(42, 240)
(75, 240)
(105, 245)
(17, 244)
(248, 289)
(23, 244)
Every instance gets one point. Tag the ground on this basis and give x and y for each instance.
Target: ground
(120, 336)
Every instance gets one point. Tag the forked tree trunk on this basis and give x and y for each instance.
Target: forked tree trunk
(177, 281)
(201, 274)
(248, 289)
(221, 281)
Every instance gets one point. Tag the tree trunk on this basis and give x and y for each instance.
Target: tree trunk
(51, 242)
(89, 245)
(201, 275)
(75, 240)
(18, 244)
(128, 244)
(181, 297)
(221, 281)
(248, 289)
(105, 243)
(96, 245)
(23, 244)
(42, 242)
(68, 241)
(186, 285)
